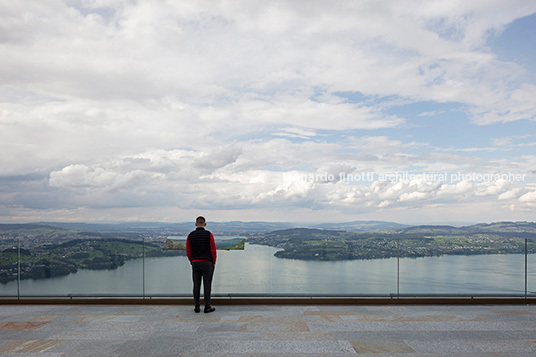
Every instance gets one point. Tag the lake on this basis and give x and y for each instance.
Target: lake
(256, 271)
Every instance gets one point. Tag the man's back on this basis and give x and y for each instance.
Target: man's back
(199, 245)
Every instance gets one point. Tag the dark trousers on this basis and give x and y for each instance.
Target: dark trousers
(205, 270)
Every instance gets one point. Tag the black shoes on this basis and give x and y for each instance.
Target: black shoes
(207, 309)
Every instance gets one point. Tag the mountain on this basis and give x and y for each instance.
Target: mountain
(360, 226)
(232, 227)
(28, 228)
(431, 230)
(256, 227)
(418, 241)
(523, 226)
(503, 228)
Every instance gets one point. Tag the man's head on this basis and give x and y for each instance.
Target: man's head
(200, 221)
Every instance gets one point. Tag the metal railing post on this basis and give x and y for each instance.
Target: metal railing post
(18, 268)
(526, 267)
(398, 267)
(143, 268)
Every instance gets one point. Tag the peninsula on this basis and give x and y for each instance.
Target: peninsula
(412, 242)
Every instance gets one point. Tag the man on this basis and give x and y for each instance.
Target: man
(201, 251)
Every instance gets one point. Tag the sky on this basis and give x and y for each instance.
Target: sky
(300, 111)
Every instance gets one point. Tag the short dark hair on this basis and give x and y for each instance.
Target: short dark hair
(200, 220)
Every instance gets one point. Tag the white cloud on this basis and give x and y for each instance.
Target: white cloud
(507, 141)
(370, 48)
(265, 173)
(296, 133)
(529, 197)
(124, 104)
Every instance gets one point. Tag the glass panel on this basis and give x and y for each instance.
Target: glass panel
(8, 266)
(531, 267)
(105, 264)
(244, 272)
(167, 272)
(311, 264)
(462, 265)
(83, 264)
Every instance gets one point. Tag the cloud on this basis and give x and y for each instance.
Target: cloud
(82, 176)
(529, 197)
(120, 104)
(264, 173)
(231, 177)
(385, 194)
(507, 141)
(216, 48)
(296, 133)
(429, 114)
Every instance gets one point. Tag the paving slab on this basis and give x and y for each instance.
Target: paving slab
(268, 330)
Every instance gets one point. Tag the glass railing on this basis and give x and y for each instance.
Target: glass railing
(464, 271)
(327, 272)
(138, 267)
(10, 258)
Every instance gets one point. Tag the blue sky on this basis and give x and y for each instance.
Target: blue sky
(517, 43)
(162, 110)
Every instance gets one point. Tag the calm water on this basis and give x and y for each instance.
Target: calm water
(256, 270)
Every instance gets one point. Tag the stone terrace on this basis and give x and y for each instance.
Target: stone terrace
(268, 330)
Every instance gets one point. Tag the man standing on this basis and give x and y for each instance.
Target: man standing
(201, 251)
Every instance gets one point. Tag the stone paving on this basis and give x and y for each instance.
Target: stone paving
(268, 330)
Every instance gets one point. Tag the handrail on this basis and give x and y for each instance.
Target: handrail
(282, 295)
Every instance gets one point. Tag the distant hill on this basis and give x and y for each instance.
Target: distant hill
(239, 227)
(360, 226)
(495, 227)
(137, 227)
(505, 226)
(256, 227)
(232, 227)
(28, 228)
(304, 233)
(418, 241)
(431, 230)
